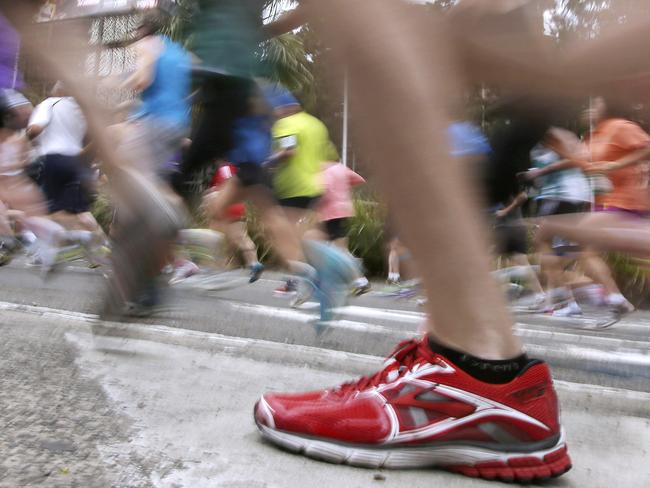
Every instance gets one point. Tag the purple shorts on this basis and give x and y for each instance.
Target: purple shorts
(623, 211)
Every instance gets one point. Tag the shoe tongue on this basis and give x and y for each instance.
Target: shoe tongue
(419, 350)
(424, 350)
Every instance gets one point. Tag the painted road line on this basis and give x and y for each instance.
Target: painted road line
(609, 399)
(619, 349)
(413, 317)
(303, 317)
(523, 330)
(609, 355)
(526, 332)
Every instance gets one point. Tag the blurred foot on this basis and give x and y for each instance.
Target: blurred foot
(256, 272)
(619, 303)
(393, 279)
(184, 271)
(288, 288)
(8, 247)
(360, 286)
(336, 272)
(539, 303)
(571, 309)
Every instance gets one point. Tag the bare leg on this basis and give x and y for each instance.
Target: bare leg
(282, 234)
(5, 225)
(393, 259)
(237, 235)
(531, 276)
(468, 309)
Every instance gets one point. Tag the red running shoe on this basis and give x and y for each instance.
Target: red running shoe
(422, 411)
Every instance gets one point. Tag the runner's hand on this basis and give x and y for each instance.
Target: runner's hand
(528, 176)
(602, 167)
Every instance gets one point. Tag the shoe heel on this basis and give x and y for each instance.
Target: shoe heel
(523, 469)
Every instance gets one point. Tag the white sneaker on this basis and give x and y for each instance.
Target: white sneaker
(539, 303)
(183, 272)
(619, 303)
(571, 309)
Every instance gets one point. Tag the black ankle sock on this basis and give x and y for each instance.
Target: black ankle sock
(489, 371)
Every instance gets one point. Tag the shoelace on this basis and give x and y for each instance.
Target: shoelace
(403, 358)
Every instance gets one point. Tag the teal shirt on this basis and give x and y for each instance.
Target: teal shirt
(227, 35)
(567, 185)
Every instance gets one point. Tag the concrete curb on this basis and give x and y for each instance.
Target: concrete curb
(588, 397)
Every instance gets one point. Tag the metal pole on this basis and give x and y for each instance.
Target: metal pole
(344, 143)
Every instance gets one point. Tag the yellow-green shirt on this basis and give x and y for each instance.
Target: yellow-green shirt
(300, 175)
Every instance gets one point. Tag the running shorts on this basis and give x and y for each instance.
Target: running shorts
(304, 203)
(252, 174)
(623, 211)
(547, 207)
(511, 238)
(337, 228)
(63, 183)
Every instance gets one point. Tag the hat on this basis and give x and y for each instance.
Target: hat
(279, 97)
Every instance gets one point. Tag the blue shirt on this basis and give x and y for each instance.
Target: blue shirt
(466, 139)
(166, 98)
(252, 140)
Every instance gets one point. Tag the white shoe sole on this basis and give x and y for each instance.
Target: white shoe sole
(443, 456)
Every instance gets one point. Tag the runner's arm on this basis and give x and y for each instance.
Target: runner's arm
(563, 164)
(636, 157)
(143, 75)
(517, 202)
(287, 144)
(39, 120)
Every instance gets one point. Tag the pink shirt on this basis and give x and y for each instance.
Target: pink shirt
(336, 202)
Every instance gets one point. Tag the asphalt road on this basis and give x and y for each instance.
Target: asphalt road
(85, 410)
(615, 357)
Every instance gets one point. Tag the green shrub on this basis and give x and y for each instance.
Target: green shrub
(366, 231)
(633, 277)
(366, 234)
(103, 211)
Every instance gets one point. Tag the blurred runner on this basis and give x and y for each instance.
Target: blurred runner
(300, 146)
(23, 208)
(235, 124)
(17, 192)
(400, 417)
(504, 422)
(618, 149)
(561, 192)
(396, 252)
(10, 77)
(234, 227)
(57, 128)
(144, 233)
(336, 209)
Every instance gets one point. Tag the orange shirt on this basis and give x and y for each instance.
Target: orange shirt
(612, 140)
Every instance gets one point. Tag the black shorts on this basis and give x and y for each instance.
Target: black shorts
(511, 238)
(304, 203)
(337, 228)
(251, 174)
(64, 183)
(547, 207)
(223, 101)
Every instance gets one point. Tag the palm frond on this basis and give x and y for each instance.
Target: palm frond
(288, 63)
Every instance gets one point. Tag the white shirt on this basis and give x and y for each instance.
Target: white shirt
(64, 126)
